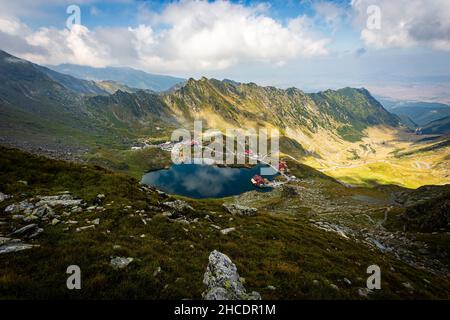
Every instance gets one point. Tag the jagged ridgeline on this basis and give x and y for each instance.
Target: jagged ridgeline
(347, 111)
(36, 100)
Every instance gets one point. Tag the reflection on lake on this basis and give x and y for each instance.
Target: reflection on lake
(203, 181)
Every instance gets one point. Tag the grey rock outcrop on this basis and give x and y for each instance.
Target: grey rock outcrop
(18, 207)
(222, 280)
(120, 262)
(8, 245)
(4, 197)
(64, 200)
(43, 211)
(178, 205)
(24, 230)
(237, 209)
(227, 230)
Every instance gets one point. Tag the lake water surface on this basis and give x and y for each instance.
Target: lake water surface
(204, 181)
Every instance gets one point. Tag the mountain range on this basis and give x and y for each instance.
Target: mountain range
(332, 129)
(418, 113)
(39, 92)
(130, 77)
(440, 126)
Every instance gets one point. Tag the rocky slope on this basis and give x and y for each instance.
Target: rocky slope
(312, 239)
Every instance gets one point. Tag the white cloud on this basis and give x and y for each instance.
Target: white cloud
(77, 46)
(12, 26)
(185, 36)
(406, 23)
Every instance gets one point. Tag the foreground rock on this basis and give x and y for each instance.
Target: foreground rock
(8, 245)
(120, 262)
(227, 230)
(236, 209)
(43, 211)
(222, 280)
(42, 208)
(24, 206)
(178, 205)
(29, 231)
(63, 200)
(4, 197)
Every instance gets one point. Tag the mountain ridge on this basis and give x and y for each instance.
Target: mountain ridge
(329, 130)
(329, 109)
(130, 77)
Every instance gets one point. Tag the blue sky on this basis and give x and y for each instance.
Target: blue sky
(310, 44)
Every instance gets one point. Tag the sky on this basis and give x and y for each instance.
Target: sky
(398, 49)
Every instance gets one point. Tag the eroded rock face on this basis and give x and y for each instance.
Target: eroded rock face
(237, 209)
(222, 280)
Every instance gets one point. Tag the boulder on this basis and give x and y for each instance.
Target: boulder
(120, 262)
(18, 207)
(31, 228)
(99, 199)
(43, 211)
(76, 209)
(4, 197)
(8, 245)
(85, 228)
(222, 280)
(64, 200)
(237, 209)
(30, 218)
(227, 230)
(178, 205)
(364, 292)
(37, 232)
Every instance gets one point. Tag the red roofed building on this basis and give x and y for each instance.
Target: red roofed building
(258, 181)
(282, 166)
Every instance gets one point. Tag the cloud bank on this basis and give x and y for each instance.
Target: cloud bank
(406, 23)
(185, 36)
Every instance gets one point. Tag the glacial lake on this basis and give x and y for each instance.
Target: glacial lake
(204, 181)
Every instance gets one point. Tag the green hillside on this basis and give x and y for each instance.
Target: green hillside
(286, 245)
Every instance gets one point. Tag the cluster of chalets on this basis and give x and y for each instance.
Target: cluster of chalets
(256, 180)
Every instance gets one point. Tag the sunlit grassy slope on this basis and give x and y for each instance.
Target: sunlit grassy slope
(385, 156)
